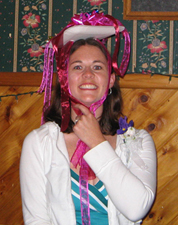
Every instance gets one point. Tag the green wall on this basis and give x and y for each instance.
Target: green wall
(25, 26)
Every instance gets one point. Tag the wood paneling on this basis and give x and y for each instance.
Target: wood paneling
(154, 109)
(17, 119)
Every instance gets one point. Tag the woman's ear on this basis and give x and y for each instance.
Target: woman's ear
(112, 80)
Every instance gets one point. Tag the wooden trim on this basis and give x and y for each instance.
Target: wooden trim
(146, 15)
(74, 7)
(32, 79)
(20, 79)
(50, 18)
(16, 30)
(171, 46)
(134, 46)
(147, 81)
(110, 13)
(129, 81)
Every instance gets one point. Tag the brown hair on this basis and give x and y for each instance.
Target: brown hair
(112, 106)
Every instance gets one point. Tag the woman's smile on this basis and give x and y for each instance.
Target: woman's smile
(88, 87)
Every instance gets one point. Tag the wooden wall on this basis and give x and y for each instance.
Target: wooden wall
(152, 102)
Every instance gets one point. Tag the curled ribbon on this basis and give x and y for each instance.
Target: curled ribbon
(99, 19)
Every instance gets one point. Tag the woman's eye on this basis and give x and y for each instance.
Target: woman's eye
(97, 67)
(77, 67)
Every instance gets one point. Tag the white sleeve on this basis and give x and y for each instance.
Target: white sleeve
(32, 181)
(132, 190)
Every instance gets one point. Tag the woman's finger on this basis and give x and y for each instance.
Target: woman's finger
(77, 118)
(83, 109)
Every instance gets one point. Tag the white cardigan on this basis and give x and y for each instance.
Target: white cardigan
(128, 173)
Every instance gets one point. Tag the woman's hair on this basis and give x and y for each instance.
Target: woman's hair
(112, 106)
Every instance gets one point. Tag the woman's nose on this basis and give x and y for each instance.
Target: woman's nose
(88, 73)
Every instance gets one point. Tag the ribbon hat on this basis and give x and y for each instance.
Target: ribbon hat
(82, 26)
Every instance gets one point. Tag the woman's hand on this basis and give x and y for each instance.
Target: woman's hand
(87, 128)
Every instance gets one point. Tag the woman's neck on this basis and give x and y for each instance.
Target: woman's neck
(74, 113)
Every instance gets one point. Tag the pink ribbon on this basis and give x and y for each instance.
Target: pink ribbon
(47, 78)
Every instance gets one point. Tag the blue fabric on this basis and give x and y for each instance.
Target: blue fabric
(98, 201)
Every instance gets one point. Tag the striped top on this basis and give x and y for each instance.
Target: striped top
(98, 198)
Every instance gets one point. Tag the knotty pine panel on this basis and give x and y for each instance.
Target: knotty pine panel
(152, 109)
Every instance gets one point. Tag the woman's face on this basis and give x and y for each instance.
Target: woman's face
(88, 74)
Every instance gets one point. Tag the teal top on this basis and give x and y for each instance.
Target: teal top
(98, 201)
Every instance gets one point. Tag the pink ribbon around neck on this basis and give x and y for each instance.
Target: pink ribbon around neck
(62, 57)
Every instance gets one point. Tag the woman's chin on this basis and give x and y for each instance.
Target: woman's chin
(89, 102)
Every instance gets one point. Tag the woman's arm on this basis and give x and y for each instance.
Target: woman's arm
(32, 181)
(131, 190)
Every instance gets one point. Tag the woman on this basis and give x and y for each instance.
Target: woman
(114, 179)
